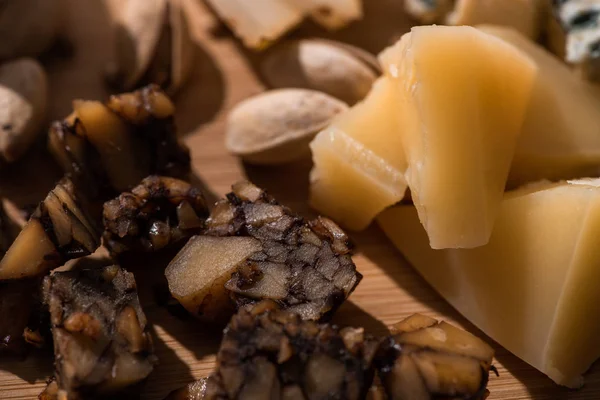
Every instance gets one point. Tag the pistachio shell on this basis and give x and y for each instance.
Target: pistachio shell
(23, 100)
(363, 55)
(141, 27)
(153, 45)
(276, 127)
(183, 47)
(320, 65)
(28, 27)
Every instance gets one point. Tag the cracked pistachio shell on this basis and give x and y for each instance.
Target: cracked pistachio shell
(276, 127)
(338, 69)
(153, 45)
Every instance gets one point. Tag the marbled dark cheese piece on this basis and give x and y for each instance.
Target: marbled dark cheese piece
(109, 148)
(58, 230)
(156, 214)
(101, 340)
(305, 266)
(267, 353)
(426, 359)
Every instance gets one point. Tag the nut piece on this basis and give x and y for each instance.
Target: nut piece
(153, 46)
(109, 148)
(260, 250)
(320, 65)
(276, 127)
(50, 391)
(23, 97)
(56, 232)
(272, 354)
(427, 359)
(28, 27)
(157, 213)
(193, 391)
(101, 341)
(574, 34)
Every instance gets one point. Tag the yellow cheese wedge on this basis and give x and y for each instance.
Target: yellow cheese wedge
(463, 96)
(359, 162)
(561, 133)
(534, 287)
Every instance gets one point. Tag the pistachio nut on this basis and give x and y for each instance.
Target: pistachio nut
(276, 127)
(23, 101)
(338, 69)
(153, 46)
(28, 27)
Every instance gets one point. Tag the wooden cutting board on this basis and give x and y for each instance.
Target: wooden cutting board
(223, 76)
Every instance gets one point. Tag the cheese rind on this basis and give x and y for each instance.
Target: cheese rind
(560, 138)
(533, 287)
(462, 99)
(359, 161)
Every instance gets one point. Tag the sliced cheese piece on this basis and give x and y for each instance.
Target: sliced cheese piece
(534, 287)
(463, 96)
(332, 14)
(359, 161)
(561, 133)
(258, 23)
(522, 15)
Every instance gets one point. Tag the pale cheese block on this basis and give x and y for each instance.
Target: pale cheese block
(534, 287)
(561, 133)
(463, 95)
(359, 162)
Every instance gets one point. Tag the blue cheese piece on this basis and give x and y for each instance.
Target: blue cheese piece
(574, 33)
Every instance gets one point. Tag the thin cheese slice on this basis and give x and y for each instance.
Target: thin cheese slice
(359, 162)
(463, 97)
(561, 133)
(534, 287)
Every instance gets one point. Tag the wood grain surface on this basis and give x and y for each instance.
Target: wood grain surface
(223, 76)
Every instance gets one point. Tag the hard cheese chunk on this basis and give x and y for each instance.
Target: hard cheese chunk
(561, 133)
(534, 287)
(359, 162)
(463, 96)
